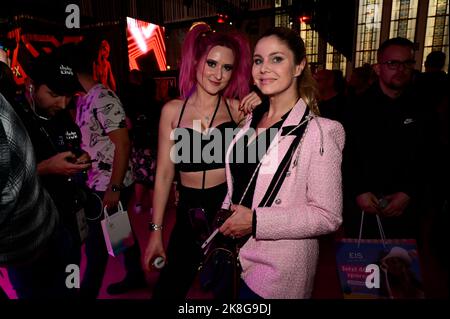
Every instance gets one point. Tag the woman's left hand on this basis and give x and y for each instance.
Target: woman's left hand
(239, 224)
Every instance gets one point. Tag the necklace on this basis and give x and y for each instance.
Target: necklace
(204, 117)
(207, 118)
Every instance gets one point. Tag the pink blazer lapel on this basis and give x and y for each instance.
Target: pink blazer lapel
(271, 161)
(278, 150)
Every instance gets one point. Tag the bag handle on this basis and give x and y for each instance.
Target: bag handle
(380, 228)
(119, 209)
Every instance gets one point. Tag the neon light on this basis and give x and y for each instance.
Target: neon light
(139, 38)
(49, 42)
(144, 37)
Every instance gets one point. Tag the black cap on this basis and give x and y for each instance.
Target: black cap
(57, 73)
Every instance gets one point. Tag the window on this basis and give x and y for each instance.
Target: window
(335, 60)
(368, 31)
(436, 37)
(282, 20)
(311, 39)
(403, 19)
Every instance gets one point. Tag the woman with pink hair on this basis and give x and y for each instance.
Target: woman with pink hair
(214, 74)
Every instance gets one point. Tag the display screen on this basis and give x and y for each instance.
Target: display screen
(146, 47)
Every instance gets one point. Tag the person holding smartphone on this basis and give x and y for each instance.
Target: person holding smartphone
(56, 142)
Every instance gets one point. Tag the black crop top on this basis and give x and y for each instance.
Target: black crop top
(197, 151)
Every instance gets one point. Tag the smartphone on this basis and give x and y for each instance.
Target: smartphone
(87, 162)
(383, 203)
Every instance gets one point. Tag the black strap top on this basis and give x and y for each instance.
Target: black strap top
(196, 151)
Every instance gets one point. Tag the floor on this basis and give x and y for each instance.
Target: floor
(326, 284)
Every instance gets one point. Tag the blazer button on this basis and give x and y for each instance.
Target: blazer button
(288, 174)
(278, 201)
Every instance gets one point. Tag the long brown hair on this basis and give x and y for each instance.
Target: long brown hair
(306, 84)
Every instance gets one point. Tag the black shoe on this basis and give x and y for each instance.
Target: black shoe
(125, 286)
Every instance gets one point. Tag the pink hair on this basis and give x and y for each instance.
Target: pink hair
(197, 44)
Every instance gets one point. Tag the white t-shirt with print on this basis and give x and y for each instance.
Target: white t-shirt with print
(100, 112)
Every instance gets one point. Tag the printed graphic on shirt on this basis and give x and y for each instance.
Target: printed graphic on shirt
(100, 112)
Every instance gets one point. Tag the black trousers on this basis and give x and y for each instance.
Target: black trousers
(184, 253)
(97, 254)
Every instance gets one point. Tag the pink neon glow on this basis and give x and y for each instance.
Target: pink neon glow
(142, 38)
(6, 285)
(27, 39)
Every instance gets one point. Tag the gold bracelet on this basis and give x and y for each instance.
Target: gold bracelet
(154, 227)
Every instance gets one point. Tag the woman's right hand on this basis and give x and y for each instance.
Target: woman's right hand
(249, 102)
(154, 249)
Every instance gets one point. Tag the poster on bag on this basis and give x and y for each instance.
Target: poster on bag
(371, 270)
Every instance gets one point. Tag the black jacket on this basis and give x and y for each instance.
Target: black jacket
(49, 137)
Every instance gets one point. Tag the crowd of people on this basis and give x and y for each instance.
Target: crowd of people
(291, 154)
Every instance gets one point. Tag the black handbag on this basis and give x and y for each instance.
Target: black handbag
(220, 270)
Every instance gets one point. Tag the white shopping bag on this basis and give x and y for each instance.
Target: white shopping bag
(117, 231)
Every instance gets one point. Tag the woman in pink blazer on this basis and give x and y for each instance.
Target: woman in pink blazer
(292, 192)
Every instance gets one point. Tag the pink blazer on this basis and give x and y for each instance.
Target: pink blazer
(281, 261)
